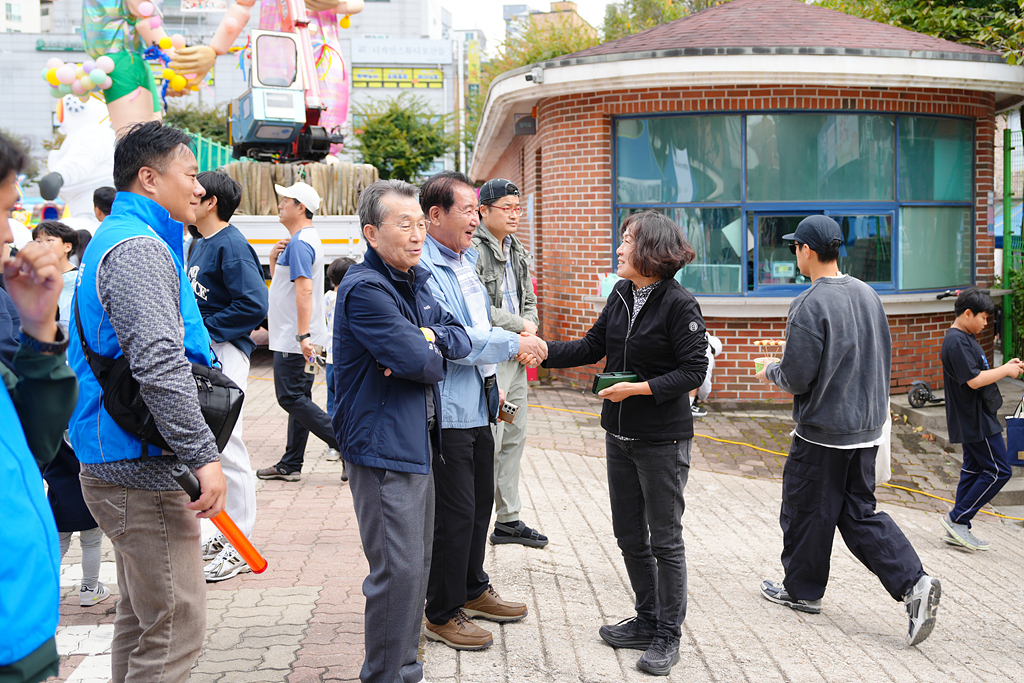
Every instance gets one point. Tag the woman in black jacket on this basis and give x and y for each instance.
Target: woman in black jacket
(651, 327)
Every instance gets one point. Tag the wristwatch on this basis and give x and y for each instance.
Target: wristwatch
(300, 337)
(59, 345)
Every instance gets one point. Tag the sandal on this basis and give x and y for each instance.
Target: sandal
(518, 532)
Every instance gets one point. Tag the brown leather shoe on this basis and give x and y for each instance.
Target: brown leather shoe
(459, 633)
(490, 606)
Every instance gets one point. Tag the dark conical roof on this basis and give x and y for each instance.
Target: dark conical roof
(774, 24)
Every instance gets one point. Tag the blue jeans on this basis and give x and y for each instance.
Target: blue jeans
(645, 483)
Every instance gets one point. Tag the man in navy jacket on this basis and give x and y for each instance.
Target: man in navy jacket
(227, 279)
(391, 343)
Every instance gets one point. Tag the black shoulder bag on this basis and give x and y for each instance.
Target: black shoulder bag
(220, 399)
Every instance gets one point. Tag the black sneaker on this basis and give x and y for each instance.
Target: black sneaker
(698, 411)
(660, 657)
(279, 471)
(631, 633)
(776, 592)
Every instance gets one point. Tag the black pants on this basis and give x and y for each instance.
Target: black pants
(464, 495)
(828, 488)
(294, 390)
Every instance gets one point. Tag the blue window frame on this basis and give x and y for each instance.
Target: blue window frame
(901, 187)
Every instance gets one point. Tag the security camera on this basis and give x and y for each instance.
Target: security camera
(536, 75)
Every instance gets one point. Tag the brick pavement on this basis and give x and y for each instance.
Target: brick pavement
(302, 619)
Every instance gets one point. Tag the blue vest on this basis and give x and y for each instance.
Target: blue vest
(30, 577)
(94, 435)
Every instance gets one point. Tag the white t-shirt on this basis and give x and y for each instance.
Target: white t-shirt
(303, 257)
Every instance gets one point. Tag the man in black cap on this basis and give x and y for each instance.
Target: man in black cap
(836, 364)
(504, 270)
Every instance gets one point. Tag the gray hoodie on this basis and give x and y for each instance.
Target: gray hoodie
(837, 362)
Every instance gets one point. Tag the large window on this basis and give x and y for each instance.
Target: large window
(900, 187)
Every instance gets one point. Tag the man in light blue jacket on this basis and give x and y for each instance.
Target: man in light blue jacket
(458, 586)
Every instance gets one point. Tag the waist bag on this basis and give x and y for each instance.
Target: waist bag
(220, 399)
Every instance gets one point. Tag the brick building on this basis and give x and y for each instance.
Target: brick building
(737, 122)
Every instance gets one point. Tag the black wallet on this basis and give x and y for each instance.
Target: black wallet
(603, 380)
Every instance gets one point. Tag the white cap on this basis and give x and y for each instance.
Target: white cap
(302, 193)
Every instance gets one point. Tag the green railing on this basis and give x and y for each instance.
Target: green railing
(210, 155)
(1013, 249)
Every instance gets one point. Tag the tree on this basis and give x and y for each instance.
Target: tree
(633, 16)
(402, 136)
(209, 122)
(990, 24)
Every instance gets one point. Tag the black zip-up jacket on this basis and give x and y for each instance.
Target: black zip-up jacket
(664, 347)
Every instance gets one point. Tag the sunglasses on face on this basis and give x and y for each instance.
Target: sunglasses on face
(793, 246)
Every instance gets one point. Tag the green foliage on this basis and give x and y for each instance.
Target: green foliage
(991, 24)
(633, 16)
(1016, 283)
(206, 121)
(401, 136)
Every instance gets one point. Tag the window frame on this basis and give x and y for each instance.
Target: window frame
(791, 207)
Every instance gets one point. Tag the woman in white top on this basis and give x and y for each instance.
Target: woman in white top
(63, 241)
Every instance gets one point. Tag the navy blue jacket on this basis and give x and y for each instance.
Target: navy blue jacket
(227, 279)
(382, 421)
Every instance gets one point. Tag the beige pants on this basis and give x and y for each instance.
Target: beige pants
(509, 442)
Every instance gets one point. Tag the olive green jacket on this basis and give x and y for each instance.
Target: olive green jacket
(491, 269)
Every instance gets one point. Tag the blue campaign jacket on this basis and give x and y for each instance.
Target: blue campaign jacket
(462, 391)
(30, 586)
(95, 436)
(382, 421)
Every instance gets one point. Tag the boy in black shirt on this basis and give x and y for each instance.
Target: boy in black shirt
(965, 371)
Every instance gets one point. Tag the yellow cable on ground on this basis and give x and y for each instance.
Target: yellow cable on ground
(786, 455)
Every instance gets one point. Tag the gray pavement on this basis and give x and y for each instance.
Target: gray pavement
(302, 619)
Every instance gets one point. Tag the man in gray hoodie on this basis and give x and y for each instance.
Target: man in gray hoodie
(836, 364)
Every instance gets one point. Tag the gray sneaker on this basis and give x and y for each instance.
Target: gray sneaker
(922, 607)
(776, 592)
(660, 657)
(960, 534)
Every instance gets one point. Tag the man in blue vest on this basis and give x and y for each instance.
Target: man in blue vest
(38, 394)
(135, 299)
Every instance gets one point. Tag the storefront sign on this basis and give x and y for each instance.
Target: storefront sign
(412, 51)
(387, 77)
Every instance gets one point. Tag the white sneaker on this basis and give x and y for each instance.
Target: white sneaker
(333, 455)
(213, 546)
(88, 598)
(226, 565)
(922, 607)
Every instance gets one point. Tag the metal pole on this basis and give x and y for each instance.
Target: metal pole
(1007, 243)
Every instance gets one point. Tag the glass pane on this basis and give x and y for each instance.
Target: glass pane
(935, 247)
(716, 239)
(678, 159)
(935, 159)
(776, 265)
(815, 157)
(275, 60)
(866, 252)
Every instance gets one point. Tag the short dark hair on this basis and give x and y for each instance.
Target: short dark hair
(84, 236)
(439, 190)
(149, 144)
(59, 230)
(13, 157)
(831, 253)
(974, 300)
(309, 214)
(103, 199)
(659, 248)
(339, 266)
(225, 188)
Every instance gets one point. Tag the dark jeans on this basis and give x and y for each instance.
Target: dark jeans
(645, 483)
(295, 394)
(464, 494)
(985, 471)
(825, 488)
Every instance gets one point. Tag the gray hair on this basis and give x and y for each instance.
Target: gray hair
(372, 210)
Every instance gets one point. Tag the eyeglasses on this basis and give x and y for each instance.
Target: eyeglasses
(407, 226)
(509, 210)
(793, 246)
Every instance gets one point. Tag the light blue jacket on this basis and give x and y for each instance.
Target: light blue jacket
(463, 400)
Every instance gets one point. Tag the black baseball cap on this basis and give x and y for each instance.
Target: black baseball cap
(493, 190)
(817, 232)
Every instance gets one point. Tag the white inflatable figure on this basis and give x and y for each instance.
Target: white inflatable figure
(84, 161)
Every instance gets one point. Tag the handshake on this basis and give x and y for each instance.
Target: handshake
(532, 349)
